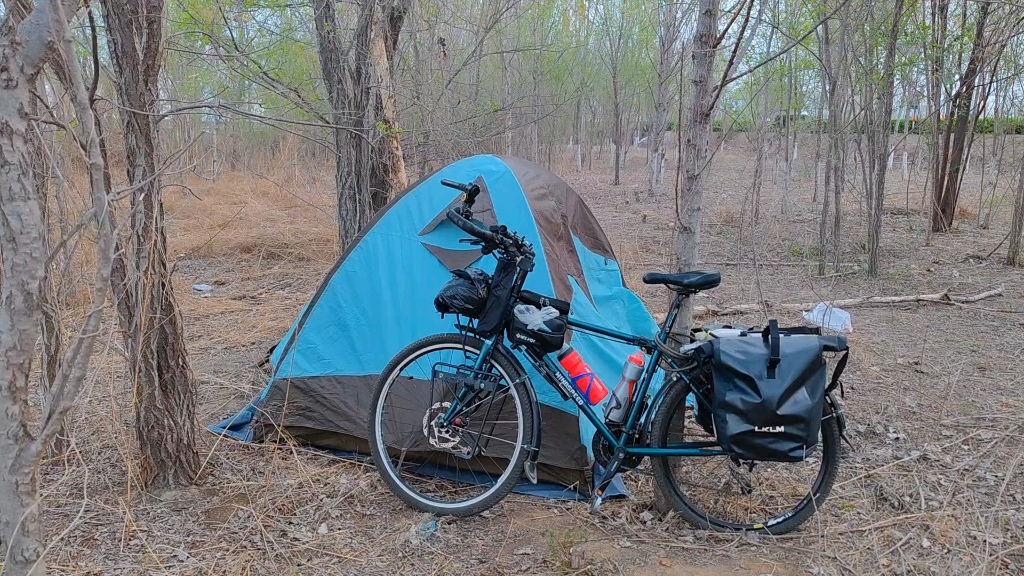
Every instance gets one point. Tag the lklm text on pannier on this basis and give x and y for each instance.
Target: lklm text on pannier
(769, 389)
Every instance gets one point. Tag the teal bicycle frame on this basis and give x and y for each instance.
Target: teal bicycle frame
(551, 371)
(634, 416)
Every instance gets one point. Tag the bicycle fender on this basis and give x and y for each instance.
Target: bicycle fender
(833, 409)
(531, 461)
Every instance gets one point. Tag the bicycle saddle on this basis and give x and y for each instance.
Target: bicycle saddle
(693, 281)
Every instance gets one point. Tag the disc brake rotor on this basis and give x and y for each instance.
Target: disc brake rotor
(444, 438)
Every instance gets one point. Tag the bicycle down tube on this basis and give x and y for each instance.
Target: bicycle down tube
(551, 372)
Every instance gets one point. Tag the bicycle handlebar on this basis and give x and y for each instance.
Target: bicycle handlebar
(472, 229)
(498, 238)
(471, 191)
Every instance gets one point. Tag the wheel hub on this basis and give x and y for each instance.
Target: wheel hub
(444, 438)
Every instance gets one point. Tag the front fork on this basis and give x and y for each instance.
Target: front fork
(465, 395)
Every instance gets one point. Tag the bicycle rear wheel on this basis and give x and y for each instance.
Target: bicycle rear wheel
(468, 466)
(719, 493)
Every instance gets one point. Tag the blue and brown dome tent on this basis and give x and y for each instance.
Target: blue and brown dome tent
(378, 298)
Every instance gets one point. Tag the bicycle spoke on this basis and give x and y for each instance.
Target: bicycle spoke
(737, 495)
(459, 461)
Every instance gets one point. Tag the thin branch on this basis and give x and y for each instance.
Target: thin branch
(73, 369)
(786, 49)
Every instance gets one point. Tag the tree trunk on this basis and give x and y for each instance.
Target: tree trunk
(695, 153)
(27, 41)
(935, 54)
(22, 246)
(165, 394)
(1013, 256)
(346, 78)
(947, 183)
(668, 59)
(616, 124)
(879, 137)
(383, 37)
(835, 159)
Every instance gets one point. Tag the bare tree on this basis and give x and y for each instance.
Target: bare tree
(386, 26)
(691, 175)
(165, 394)
(614, 28)
(29, 37)
(669, 27)
(695, 129)
(51, 330)
(1013, 257)
(365, 178)
(934, 50)
(879, 129)
(836, 88)
(347, 80)
(953, 148)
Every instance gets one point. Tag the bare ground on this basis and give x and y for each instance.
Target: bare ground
(934, 395)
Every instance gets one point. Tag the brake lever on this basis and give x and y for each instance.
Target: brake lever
(471, 241)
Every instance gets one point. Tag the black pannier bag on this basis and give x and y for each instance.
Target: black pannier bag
(769, 390)
(465, 294)
(496, 307)
(702, 385)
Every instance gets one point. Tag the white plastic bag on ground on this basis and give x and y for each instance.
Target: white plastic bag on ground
(830, 317)
(534, 318)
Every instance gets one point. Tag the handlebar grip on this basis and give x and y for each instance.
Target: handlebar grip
(456, 185)
(471, 191)
(471, 228)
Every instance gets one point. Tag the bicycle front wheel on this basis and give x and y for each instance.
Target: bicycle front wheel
(719, 493)
(470, 464)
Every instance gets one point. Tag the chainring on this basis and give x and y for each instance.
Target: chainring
(603, 453)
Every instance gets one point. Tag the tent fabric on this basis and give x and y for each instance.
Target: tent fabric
(378, 296)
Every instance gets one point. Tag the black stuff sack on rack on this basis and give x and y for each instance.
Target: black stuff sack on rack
(769, 390)
(465, 294)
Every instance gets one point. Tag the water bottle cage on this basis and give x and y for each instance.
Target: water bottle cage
(590, 382)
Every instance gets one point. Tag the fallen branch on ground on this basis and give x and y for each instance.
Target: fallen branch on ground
(940, 298)
(767, 263)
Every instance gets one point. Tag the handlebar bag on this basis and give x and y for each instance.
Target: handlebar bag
(769, 389)
(496, 309)
(465, 294)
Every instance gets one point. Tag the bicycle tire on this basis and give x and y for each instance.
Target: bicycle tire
(509, 371)
(674, 405)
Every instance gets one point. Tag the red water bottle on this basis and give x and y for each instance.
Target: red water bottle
(583, 377)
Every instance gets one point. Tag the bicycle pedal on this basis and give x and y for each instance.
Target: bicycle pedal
(595, 503)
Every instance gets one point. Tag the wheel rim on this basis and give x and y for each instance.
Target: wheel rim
(735, 497)
(421, 458)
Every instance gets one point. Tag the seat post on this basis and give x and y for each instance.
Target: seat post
(673, 311)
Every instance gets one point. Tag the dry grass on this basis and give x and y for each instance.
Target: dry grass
(935, 398)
